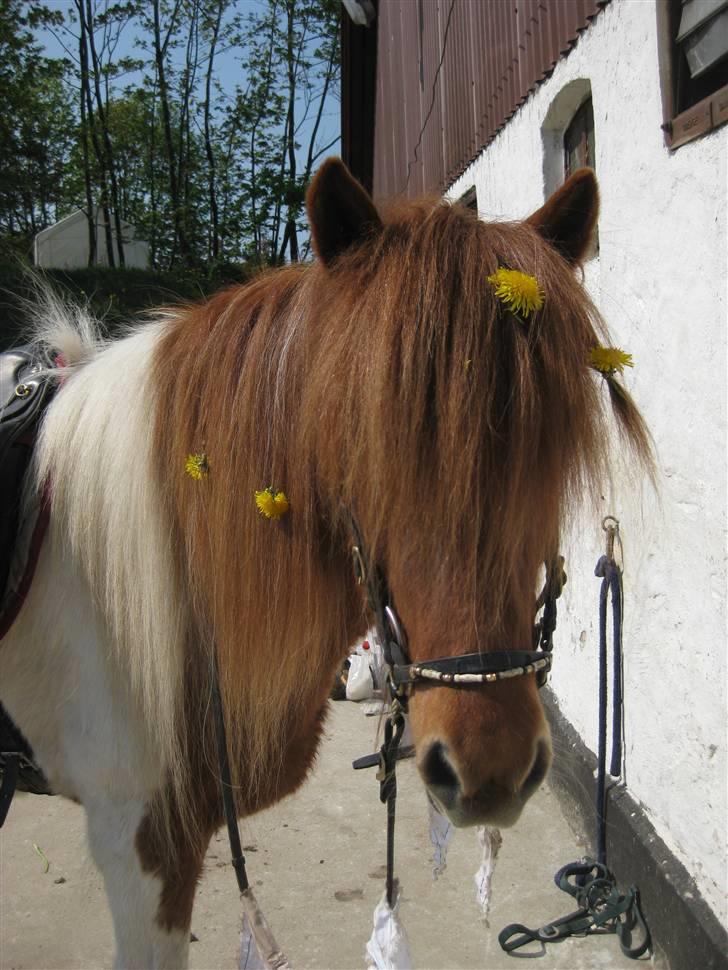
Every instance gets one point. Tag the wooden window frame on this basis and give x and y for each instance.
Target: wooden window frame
(582, 121)
(684, 122)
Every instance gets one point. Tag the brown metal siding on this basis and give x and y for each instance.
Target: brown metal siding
(479, 61)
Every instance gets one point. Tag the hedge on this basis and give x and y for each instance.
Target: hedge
(114, 295)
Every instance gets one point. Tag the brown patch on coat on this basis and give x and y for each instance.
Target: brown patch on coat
(170, 844)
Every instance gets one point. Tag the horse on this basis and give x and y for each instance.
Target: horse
(385, 380)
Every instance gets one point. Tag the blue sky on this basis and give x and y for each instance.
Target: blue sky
(230, 68)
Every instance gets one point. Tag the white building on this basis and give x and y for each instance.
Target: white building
(65, 245)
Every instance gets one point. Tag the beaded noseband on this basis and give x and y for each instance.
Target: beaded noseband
(467, 669)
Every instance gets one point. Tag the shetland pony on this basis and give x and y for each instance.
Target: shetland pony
(384, 380)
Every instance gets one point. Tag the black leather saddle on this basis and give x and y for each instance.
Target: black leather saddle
(25, 391)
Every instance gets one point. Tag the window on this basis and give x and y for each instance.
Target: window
(695, 67)
(561, 125)
(567, 135)
(579, 140)
(579, 151)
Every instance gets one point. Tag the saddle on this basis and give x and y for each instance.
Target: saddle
(25, 391)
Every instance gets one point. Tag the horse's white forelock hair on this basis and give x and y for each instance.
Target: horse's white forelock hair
(95, 452)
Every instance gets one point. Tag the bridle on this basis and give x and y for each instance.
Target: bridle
(463, 671)
(459, 671)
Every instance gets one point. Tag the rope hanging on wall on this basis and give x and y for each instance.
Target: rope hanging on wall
(602, 907)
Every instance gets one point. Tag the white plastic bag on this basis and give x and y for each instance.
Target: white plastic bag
(258, 947)
(490, 841)
(441, 834)
(388, 946)
(359, 683)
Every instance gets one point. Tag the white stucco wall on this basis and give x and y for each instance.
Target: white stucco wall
(660, 281)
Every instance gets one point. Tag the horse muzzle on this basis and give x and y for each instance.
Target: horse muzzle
(485, 801)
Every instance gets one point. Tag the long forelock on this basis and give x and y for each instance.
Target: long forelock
(455, 429)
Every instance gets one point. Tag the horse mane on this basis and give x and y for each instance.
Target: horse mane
(389, 383)
(108, 519)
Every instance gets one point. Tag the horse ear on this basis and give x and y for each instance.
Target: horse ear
(340, 212)
(568, 219)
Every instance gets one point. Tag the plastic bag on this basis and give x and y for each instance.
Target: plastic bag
(360, 682)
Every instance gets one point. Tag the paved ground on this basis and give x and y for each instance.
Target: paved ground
(316, 861)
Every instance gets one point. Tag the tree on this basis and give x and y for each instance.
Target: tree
(205, 173)
(36, 125)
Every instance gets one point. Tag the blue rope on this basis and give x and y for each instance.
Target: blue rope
(602, 907)
(611, 576)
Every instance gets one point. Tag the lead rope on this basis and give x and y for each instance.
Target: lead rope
(611, 575)
(255, 932)
(601, 906)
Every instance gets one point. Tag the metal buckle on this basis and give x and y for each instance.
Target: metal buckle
(360, 570)
(394, 627)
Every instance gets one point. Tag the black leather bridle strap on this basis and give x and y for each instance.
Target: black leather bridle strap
(387, 775)
(226, 786)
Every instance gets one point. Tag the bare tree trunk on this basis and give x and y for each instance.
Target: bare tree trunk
(98, 152)
(311, 158)
(291, 232)
(159, 55)
(90, 212)
(257, 234)
(214, 246)
(152, 191)
(188, 83)
(105, 134)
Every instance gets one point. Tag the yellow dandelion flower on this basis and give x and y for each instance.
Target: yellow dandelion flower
(272, 504)
(520, 292)
(197, 466)
(609, 360)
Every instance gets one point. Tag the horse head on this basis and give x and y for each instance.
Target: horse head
(455, 425)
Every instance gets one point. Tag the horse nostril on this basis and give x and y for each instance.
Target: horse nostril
(439, 774)
(538, 771)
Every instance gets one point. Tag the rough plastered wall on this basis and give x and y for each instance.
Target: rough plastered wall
(660, 281)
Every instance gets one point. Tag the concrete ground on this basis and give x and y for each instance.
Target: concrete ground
(316, 861)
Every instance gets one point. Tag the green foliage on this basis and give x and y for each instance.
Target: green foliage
(204, 173)
(115, 296)
(36, 125)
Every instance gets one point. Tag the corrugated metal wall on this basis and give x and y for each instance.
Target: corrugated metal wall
(449, 75)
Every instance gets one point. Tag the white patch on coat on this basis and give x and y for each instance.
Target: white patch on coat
(96, 448)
